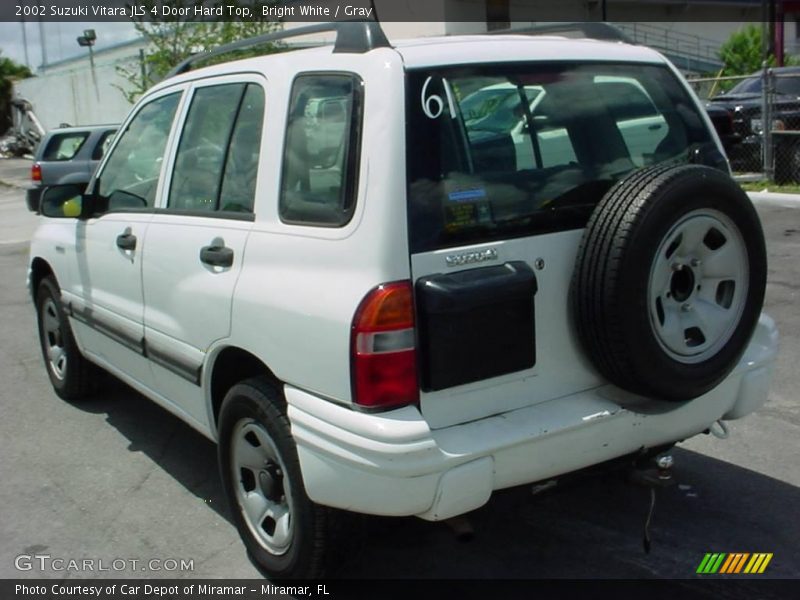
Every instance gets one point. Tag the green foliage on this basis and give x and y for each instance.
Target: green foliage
(171, 41)
(9, 71)
(742, 53)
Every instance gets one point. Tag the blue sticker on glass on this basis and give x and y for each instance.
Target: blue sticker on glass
(467, 195)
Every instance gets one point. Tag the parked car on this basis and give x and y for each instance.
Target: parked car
(384, 318)
(744, 104)
(722, 119)
(67, 155)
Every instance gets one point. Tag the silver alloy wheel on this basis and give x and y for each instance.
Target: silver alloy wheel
(53, 339)
(698, 286)
(262, 486)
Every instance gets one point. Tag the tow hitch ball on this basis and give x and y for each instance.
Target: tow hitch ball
(653, 476)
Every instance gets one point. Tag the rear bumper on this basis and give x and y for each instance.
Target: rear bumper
(394, 464)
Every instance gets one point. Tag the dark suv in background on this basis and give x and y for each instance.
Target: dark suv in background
(744, 104)
(68, 155)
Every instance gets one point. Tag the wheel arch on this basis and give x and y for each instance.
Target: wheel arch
(228, 366)
(39, 269)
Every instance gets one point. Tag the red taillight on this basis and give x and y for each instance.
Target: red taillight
(36, 172)
(382, 355)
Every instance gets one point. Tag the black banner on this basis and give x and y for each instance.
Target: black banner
(483, 589)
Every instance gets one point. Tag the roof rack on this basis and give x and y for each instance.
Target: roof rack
(598, 30)
(351, 37)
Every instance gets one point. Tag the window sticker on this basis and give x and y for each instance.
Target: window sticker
(467, 208)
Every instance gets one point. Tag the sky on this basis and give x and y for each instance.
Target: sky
(60, 39)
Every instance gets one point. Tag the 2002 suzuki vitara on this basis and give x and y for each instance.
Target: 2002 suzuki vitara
(392, 279)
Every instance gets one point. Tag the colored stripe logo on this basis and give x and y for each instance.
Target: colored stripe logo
(722, 563)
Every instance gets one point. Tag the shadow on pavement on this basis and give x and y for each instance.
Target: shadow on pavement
(588, 527)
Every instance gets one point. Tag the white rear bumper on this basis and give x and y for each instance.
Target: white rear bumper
(394, 464)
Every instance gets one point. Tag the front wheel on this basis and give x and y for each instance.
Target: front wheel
(72, 376)
(283, 530)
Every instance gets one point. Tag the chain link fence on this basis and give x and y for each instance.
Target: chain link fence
(758, 120)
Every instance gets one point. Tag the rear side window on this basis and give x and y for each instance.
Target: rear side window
(203, 147)
(498, 151)
(64, 146)
(321, 153)
(217, 161)
(102, 145)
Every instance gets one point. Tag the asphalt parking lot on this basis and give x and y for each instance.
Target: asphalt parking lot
(119, 478)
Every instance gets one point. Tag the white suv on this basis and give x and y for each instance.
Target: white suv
(398, 312)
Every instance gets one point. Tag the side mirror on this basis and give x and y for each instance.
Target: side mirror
(63, 201)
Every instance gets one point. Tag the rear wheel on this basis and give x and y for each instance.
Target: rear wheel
(72, 376)
(284, 531)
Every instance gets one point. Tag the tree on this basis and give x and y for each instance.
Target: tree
(742, 53)
(9, 72)
(171, 41)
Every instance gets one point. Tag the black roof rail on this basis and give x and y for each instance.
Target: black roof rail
(351, 36)
(598, 30)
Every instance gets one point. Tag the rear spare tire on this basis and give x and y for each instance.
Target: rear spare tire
(670, 280)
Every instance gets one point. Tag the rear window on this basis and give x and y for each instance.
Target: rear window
(64, 146)
(511, 150)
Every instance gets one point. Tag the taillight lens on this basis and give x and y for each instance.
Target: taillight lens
(382, 354)
(36, 172)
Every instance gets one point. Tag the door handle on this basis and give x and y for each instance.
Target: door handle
(126, 241)
(216, 256)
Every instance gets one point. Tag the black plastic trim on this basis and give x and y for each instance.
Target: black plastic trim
(212, 214)
(86, 316)
(170, 362)
(353, 37)
(139, 345)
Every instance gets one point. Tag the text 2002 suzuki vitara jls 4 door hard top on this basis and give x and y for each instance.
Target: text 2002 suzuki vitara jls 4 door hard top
(391, 279)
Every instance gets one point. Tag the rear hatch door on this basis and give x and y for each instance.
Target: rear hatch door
(500, 187)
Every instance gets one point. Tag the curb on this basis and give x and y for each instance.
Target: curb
(9, 184)
(775, 198)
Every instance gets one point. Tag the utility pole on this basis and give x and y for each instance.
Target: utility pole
(25, 43)
(87, 40)
(42, 43)
(766, 85)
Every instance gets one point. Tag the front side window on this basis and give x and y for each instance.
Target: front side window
(497, 151)
(130, 176)
(321, 154)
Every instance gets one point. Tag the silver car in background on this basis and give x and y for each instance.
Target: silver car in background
(67, 155)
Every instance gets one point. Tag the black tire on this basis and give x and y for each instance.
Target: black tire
(72, 376)
(643, 340)
(256, 403)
